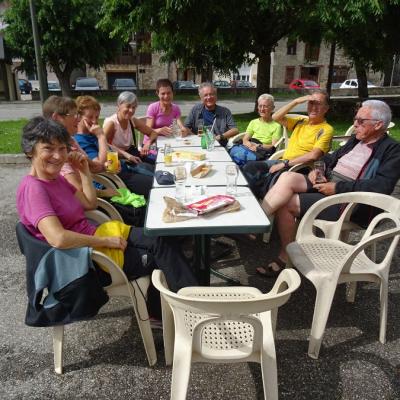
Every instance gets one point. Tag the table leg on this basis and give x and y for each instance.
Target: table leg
(201, 259)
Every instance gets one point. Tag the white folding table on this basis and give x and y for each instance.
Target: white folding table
(219, 154)
(188, 141)
(216, 177)
(249, 219)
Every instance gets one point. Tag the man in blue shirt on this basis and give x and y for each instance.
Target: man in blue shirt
(207, 111)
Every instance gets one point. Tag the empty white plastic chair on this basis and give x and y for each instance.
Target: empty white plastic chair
(222, 324)
(328, 261)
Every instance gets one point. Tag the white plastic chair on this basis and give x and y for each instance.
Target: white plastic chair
(120, 287)
(350, 130)
(328, 261)
(222, 324)
(109, 180)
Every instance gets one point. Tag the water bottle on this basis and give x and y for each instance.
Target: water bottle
(204, 139)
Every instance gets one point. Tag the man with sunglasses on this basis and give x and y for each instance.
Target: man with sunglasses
(368, 162)
(310, 140)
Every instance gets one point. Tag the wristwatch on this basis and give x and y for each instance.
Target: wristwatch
(286, 162)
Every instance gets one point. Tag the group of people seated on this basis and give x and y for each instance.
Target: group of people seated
(67, 144)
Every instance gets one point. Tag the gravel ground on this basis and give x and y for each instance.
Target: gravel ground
(104, 357)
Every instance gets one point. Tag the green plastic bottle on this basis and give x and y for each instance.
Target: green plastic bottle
(204, 140)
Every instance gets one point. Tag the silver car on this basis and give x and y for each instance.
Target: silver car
(87, 84)
(124, 84)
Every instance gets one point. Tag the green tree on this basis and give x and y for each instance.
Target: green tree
(208, 34)
(69, 36)
(366, 30)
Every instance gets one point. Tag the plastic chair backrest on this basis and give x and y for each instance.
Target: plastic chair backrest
(195, 299)
(385, 202)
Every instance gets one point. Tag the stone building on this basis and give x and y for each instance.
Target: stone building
(299, 60)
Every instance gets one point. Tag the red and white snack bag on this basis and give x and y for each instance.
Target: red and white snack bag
(208, 204)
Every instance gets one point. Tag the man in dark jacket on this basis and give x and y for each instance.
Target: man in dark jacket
(369, 162)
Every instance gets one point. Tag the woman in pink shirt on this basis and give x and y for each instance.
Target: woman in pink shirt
(161, 114)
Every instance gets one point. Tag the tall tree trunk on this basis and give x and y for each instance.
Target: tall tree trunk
(330, 70)
(63, 78)
(362, 80)
(263, 74)
(207, 74)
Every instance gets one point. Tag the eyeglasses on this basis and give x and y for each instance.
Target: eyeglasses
(76, 115)
(264, 106)
(360, 121)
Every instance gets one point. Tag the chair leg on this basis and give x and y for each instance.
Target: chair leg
(168, 331)
(351, 289)
(181, 369)
(142, 318)
(58, 339)
(322, 308)
(266, 237)
(384, 310)
(269, 370)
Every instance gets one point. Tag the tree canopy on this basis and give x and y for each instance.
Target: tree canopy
(69, 36)
(204, 34)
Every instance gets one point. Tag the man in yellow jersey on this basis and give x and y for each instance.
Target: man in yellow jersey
(310, 140)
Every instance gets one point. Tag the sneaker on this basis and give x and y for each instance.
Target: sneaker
(155, 323)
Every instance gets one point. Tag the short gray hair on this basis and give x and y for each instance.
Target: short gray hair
(266, 96)
(206, 84)
(127, 98)
(379, 111)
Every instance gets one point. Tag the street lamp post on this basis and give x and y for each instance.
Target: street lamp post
(133, 45)
(44, 94)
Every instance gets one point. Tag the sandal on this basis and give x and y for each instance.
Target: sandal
(273, 269)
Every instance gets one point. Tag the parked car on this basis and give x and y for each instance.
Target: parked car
(353, 84)
(301, 84)
(53, 86)
(87, 84)
(183, 85)
(222, 84)
(124, 84)
(25, 87)
(241, 84)
(335, 85)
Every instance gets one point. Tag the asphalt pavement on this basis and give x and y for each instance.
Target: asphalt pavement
(104, 357)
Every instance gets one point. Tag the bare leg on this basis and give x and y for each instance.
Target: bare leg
(280, 194)
(286, 223)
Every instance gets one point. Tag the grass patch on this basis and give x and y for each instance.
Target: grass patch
(10, 131)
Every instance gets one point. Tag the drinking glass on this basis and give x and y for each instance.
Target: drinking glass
(112, 162)
(180, 179)
(210, 138)
(319, 168)
(167, 154)
(231, 173)
(200, 124)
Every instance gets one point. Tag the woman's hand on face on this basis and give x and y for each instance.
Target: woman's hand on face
(115, 242)
(79, 161)
(94, 129)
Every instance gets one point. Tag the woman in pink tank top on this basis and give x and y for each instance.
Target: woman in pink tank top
(119, 129)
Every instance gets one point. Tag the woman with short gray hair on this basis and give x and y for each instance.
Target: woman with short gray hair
(120, 129)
